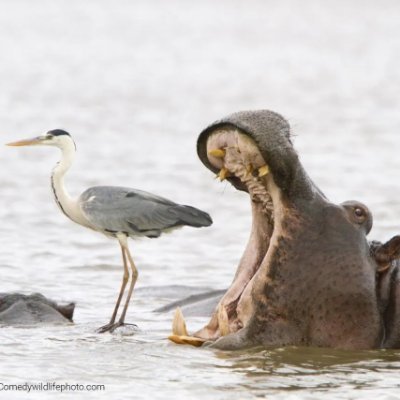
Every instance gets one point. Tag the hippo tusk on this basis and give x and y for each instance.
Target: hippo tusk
(191, 340)
(384, 268)
(179, 324)
(180, 334)
(219, 153)
(223, 173)
(262, 171)
(249, 168)
(223, 321)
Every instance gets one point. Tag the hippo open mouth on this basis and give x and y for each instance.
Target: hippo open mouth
(237, 158)
(229, 148)
(308, 275)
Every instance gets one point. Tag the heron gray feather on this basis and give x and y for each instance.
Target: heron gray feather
(114, 209)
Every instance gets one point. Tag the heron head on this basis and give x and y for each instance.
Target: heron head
(55, 137)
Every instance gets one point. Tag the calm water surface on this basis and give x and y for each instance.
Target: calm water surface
(135, 82)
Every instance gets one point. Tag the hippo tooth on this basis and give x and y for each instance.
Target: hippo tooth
(179, 332)
(262, 171)
(223, 321)
(384, 268)
(219, 153)
(179, 324)
(193, 341)
(249, 168)
(223, 173)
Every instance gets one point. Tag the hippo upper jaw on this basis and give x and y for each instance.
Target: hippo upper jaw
(270, 133)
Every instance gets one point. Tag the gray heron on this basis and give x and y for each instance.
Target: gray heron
(117, 212)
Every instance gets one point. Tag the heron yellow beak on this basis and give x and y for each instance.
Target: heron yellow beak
(26, 142)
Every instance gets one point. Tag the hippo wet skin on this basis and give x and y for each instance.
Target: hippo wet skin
(308, 276)
(20, 309)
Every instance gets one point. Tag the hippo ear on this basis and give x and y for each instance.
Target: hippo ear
(67, 310)
(385, 253)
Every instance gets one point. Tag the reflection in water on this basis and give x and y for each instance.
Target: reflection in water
(306, 359)
(134, 83)
(300, 369)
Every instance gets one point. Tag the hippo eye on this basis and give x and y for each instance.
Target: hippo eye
(359, 213)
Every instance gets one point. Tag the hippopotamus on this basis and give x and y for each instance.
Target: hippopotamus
(308, 276)
(20, 309)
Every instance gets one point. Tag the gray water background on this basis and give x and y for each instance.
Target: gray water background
(135, 82)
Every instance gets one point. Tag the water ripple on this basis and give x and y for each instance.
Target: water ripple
(135, 82)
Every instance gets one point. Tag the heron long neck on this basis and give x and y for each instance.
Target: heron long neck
(65, 202)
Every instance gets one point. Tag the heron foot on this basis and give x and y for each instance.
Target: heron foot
(111, 327)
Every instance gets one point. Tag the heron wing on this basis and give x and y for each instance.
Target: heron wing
(119, 209)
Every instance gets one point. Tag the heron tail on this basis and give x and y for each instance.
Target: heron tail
(192, 216)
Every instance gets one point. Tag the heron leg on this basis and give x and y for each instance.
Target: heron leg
(125, 278)
(131, 287)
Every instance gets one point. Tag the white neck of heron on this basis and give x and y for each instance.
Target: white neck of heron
(64, 201)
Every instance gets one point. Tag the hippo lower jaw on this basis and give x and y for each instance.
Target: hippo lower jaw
(238, 159)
